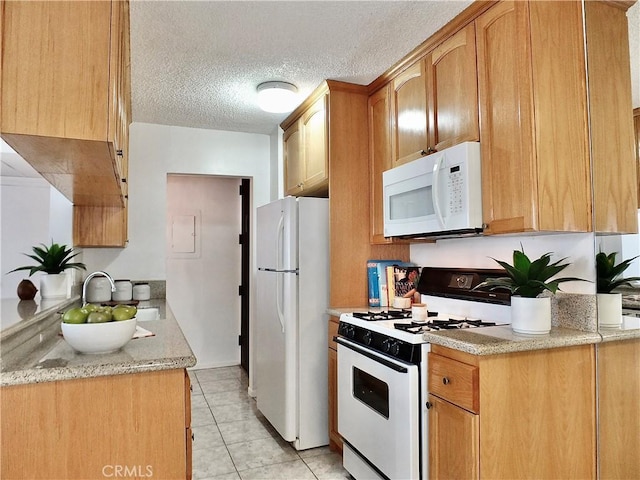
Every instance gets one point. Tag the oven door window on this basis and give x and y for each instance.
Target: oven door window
(371, 391)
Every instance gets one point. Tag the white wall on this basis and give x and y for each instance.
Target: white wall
(157, 150)
(476, 253)
(202, 286)
(32, 212)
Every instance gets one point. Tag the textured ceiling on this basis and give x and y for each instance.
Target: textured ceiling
(197, 63)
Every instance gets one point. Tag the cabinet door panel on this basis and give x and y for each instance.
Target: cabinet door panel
(315, 144)
(293, 144)
(453, 441)
(610, 110)
(50, 37)
(562, 136)
(409, 112)
(453, 91)
(379, 157)
(509, 178)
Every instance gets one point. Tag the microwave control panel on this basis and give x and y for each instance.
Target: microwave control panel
(455, 186)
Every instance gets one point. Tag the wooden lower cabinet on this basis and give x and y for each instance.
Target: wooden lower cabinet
(335, 440)
(128, 426)
(535, 417)
(619, 409)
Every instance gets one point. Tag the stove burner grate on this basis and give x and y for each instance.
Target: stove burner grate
(441, 324)
(404, 313)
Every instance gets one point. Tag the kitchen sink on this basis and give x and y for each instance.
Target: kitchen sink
(147, 313)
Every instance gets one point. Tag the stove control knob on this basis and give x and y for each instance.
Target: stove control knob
(366, 338)
(390, 346)
(350, 331)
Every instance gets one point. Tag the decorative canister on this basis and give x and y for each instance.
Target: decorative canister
(98, 290)
(124, 291)
(141, 291)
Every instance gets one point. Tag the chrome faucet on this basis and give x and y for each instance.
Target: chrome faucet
(89, 277)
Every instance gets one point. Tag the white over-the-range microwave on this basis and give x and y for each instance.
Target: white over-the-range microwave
(436, 195)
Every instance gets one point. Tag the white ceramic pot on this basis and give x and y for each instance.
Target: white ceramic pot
(531, 316)
(53, 285)
(609, 309)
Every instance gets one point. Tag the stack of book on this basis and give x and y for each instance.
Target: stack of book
(384, 276)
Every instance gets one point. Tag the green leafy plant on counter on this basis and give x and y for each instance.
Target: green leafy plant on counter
(51, 259)
(526, 278)
(608, 274)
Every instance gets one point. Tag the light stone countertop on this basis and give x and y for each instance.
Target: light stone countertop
(39, 353)
(502, 339)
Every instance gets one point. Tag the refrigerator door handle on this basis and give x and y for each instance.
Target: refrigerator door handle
(279, 242)
(279, 294)
(279, 276)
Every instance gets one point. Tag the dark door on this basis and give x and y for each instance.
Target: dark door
(245, 193)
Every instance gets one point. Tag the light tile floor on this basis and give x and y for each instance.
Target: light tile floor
(233, 440)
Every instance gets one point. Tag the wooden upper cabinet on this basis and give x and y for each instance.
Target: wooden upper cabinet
(535, 155)
(306, 152)
(613, 156)
(63, 88)
(66, 103)
(452, 91)
(409, 139)
(379, 157)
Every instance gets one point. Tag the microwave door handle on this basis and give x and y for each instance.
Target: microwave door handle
(435, 190)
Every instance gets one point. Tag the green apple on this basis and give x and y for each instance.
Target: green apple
(123, 312)
(75, 315)
(99, 317)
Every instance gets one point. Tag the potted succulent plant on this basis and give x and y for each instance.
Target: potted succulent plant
(608, 278)
(52, 260)
(527, 280)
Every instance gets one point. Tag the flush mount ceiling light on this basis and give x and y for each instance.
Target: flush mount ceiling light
(277, 97)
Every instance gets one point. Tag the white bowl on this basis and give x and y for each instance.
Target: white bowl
(99, 337)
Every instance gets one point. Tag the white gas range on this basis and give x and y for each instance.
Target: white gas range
(382, 372)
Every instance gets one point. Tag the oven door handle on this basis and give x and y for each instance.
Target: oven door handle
(373, 356)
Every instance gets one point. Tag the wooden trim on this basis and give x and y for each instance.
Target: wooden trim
(621, 4)
(458, 355)
(636, 112)
(323, 88)
(461, 20)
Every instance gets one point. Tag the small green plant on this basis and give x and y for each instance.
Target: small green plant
(51, 259)
(608, 274)
(526, 278)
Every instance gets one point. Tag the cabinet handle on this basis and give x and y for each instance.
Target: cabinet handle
(124, 180)
(191, 387)
(429, 405)
(119, 153)
(446, 381)
(193, 437)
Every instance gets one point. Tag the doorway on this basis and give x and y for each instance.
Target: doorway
(206, 262)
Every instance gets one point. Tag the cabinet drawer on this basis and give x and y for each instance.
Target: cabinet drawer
(454, 381)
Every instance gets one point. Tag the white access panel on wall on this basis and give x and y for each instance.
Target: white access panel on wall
(184, 235)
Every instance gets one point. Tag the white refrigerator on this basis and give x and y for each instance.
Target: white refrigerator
(291, 318)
